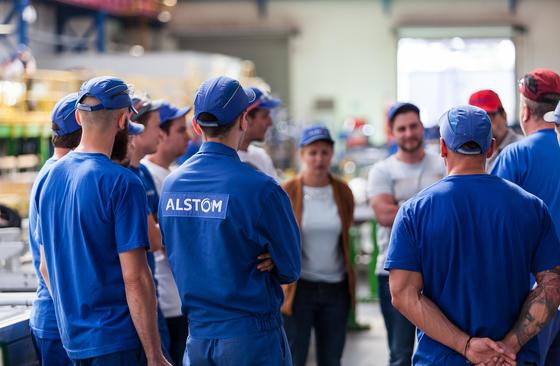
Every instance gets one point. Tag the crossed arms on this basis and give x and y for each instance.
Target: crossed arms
(539, 308)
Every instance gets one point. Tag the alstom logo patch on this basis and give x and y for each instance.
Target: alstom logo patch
(192, 204)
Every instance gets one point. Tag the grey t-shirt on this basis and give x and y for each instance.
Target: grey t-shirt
(402, 181)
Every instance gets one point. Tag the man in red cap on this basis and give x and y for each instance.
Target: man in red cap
(490, 101)
(533, 164)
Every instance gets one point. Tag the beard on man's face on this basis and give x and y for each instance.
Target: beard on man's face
(411, 145)
(120, 145)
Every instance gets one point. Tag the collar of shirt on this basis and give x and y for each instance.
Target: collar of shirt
(218, 148)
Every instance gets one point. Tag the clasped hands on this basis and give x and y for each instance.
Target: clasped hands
(486, 352)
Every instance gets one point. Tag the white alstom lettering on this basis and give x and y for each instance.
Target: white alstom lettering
(205, 205)
(216, 205)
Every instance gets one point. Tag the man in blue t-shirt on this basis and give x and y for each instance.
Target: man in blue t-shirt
(66, 135)
(92, 233)
(533, 164)
(462, 252)
(217, 217)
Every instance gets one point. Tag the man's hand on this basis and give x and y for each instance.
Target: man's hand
(266, 264)
(486, 352)
(160, 361)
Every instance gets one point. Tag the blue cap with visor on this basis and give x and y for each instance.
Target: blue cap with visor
(465, 124)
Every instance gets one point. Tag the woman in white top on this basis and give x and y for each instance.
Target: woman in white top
(323, 206)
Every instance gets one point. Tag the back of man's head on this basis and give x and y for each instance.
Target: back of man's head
(219, 104)
(466, 132)
(540, 92)
(102, 101)
(66, 132)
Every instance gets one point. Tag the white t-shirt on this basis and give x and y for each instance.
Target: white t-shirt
(158, 173)
(258, 158)
(321, 258)
(402, 181)
(168, 295)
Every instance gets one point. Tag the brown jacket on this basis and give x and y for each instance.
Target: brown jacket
(345, 203)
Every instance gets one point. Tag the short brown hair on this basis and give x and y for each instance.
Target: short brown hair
(539, 109)
(218, 131)
(68, 141)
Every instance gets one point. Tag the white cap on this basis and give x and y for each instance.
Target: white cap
(553, 116)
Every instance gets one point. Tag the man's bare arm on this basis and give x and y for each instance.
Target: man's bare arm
(141, 298)
(154, 235)
(385, 208)
(406, 292)
(43, 268)
(539, 308)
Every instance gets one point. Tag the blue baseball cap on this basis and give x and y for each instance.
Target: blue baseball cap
(224, 98)
(314, 133)
(168, 112)
(135, 128)
(64, 115)
(111, 92)
(263, 100)
(464, 124)
(399, 106)
(553, 116)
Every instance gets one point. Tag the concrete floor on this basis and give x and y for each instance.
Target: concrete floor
(363, 348)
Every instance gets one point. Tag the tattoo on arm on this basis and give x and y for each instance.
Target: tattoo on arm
(540, 306)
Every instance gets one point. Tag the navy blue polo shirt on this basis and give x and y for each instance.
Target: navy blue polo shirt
(90, 211)
(217, 215)
(475, 239)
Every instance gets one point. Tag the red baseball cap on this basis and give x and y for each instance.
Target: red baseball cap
(538, 83)
(486, 99)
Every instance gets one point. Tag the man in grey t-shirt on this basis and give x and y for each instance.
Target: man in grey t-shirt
(390, 183)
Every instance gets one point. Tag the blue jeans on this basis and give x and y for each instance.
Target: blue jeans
(133, 357)
(50, 351)
(268, 347)
(400, 332)
(324, 307)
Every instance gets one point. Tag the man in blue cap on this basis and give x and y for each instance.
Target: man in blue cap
(259, 121)
(91, 227)
(218, 217)
(391, 182)
(66, 134)
(452, 251)
(175, 137)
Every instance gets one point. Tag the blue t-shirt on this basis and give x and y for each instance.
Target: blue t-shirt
(152, 201)
(150, 187)
(534, 164)
(42, 319)
(217, 215)
(475, 239)
(90, 210)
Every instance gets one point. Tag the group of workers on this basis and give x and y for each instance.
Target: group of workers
(214, 262)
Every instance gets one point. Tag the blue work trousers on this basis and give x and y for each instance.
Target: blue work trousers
(132, 357)
(324, 307)
(50, 351)
(400, 331)
(269, 347)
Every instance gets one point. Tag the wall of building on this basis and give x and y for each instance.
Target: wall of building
(345, 51)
